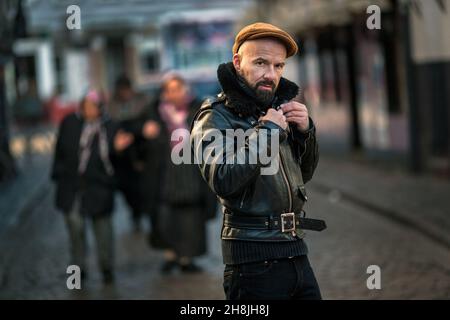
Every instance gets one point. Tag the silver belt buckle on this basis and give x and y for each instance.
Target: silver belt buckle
(288, 222)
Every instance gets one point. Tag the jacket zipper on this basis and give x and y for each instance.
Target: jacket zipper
(243, 198)
(287, 183)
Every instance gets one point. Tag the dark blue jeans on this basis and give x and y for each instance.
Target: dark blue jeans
(282, 279)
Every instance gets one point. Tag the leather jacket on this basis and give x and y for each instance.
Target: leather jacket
(241, 188)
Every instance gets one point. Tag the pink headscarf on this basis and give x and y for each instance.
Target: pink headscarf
(89, 131)
(94, 96)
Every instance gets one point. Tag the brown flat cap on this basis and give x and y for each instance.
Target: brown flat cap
(265, 30)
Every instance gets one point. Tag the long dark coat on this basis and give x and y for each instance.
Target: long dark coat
(182, 199)
(95, 187)
(128, 172)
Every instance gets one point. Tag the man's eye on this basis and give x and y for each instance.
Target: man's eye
(259, 63)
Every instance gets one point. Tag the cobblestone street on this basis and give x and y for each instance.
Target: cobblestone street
(412, 267)
(35, 256)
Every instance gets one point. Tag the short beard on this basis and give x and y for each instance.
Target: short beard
(265, 97)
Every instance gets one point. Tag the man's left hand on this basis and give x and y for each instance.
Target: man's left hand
(296, 113)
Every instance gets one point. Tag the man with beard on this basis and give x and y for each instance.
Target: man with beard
(263, 249)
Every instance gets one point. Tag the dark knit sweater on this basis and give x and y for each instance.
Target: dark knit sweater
(237, 251)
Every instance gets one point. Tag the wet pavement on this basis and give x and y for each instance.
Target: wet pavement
(34, 251)
(35, 257)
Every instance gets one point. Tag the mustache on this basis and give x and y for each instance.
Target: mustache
(265, 83)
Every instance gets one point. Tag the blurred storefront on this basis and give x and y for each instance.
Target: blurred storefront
(142, 39)
(195, 43)
(44, 61)
(382, 92)
(430, 82)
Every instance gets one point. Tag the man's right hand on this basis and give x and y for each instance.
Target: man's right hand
(276, 116)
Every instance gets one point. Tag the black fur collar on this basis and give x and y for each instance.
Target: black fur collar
(240, 100)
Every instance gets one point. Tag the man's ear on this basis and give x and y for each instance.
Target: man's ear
(237, 62)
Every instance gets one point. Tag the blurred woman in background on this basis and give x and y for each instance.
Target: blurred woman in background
(84, 175)
(185, 202)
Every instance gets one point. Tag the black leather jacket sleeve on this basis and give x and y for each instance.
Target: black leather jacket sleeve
(308, 150)
(225, 178)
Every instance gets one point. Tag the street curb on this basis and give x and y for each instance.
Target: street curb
(20, 217)
(24, 211)
(420, 225)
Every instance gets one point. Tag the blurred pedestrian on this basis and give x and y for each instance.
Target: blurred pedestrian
(84, 175)
(125, 108)
(185, 202)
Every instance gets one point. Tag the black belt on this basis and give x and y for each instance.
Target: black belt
(286, 222)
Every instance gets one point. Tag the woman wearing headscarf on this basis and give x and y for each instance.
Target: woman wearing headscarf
(183, 199)
(83, 171)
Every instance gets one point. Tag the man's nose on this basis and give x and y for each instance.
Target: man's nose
(270, 74)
